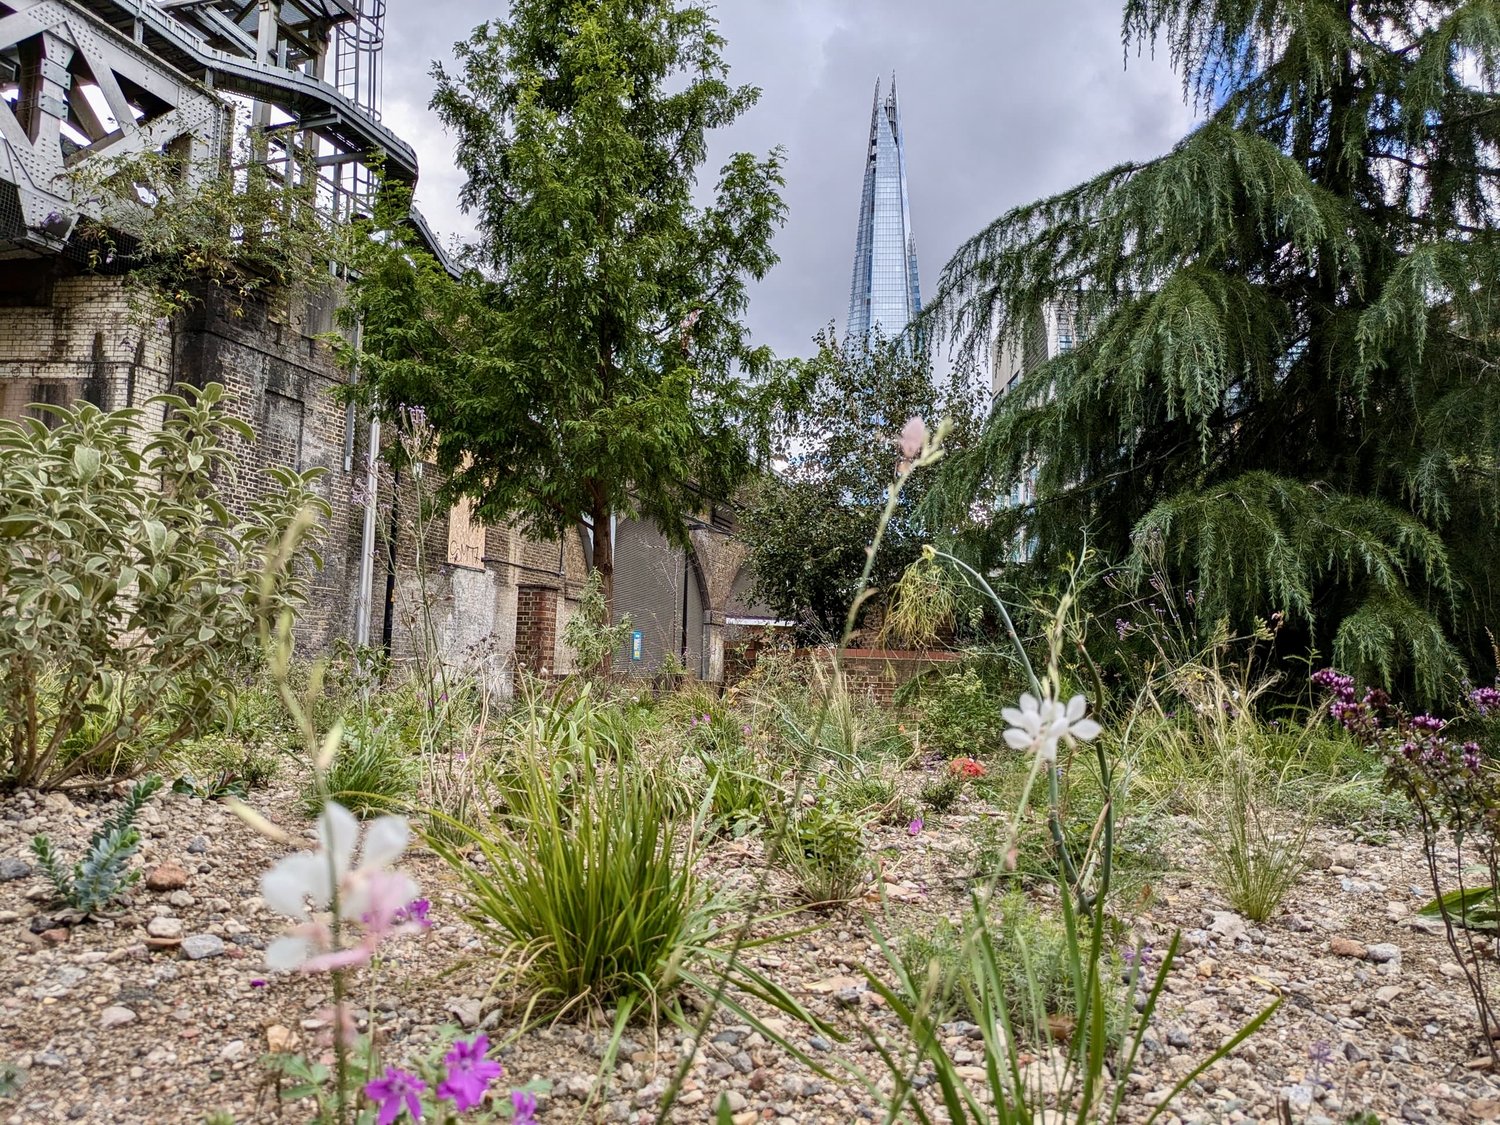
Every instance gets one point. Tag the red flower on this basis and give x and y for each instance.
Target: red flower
(966, 767)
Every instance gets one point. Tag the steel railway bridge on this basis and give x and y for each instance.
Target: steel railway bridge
(293, 85)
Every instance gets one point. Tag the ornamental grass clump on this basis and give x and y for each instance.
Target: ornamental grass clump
(584, 886)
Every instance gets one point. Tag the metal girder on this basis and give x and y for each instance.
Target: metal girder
(160, 79)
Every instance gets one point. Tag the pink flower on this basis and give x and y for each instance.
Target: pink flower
(913, 437)
(915, 827)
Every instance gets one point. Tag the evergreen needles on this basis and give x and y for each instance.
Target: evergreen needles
(1284, 337)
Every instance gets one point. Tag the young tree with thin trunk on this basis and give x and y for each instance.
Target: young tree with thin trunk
(592, 361)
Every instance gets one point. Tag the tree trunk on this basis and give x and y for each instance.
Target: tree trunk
(604, 562)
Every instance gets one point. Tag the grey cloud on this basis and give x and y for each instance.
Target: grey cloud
(1002, 101)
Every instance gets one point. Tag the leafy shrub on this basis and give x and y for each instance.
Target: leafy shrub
(823, 849)
(373, 772)
(100, 876)
(588, 633)
(127, 590)
(958, 714)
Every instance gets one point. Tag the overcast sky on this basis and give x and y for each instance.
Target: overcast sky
(1002, 101)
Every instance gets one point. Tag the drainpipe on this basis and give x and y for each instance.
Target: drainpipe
(367, 538)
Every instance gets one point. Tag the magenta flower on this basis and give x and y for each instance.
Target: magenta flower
(397, 1090)
(469, 1073)
(415, 911)
(915, 827)
(523, 1108)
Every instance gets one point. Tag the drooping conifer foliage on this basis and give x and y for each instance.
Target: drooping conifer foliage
(593, 360)
(1287, 376)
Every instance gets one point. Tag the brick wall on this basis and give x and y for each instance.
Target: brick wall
(68, 338)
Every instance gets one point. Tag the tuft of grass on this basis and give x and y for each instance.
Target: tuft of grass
(823, 849)
(584, 882)
(374, 772)
(1257, 843)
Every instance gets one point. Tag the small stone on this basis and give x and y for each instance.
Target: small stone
(1206, 967)
(58, 935)
(1387, 993)
(818, 1043)
(166, 877)
(197, 845)
(180, 899)
(116, 1016)
(199, 946)
(735, 1101)
(167, 929)
(1179, 1037)
(232, 1050)
(13, 868)
(1348, 947)
(279, 1039)
(1227, 926)
(1383, 952)
(466, 1012)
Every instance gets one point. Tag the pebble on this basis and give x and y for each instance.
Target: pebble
(166, 929)
(200, 946)
(1348, 947)
(13, 868)
(197, 845)
(166, 877)
(1385, 951)
(116, 1016)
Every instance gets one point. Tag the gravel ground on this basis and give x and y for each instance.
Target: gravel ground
(156, 1014)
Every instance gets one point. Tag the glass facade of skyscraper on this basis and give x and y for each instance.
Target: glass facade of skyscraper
(884, 293)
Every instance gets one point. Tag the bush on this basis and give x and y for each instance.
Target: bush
(127, 591)
(823, 849)
(374, 771)
(958, 714)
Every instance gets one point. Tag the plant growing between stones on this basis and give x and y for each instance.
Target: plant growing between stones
(100, 876)
(1455, 789)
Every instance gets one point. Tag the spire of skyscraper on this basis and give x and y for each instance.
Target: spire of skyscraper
(884, 293)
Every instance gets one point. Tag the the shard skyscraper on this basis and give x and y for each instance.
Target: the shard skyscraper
(884, 292)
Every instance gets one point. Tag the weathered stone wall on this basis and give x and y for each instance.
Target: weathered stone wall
(69, 338)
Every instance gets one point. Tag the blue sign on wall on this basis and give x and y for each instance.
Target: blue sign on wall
(635, 644)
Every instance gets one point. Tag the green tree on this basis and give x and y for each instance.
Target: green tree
(593, 360)
(807, 526)
(1288, 377)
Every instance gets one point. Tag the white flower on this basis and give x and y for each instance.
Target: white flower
(308, 880)
(1038, 725)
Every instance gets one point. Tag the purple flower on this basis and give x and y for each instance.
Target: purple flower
(1485, 699)
(915, 827)
(390, 1092)
(414, 911)
(523, 1108)
(469, 1073)
(1472, 758)
(745, 730)
(258, 982)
